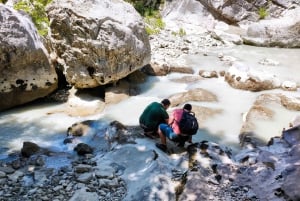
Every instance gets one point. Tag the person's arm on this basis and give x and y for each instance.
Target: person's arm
(165, 116)
(170, 120)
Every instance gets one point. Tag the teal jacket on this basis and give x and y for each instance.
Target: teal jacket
(153, 115)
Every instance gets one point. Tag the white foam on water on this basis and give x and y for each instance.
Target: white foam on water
(267, 129)
(233, 103)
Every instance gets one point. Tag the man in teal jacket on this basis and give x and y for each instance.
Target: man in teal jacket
(153, 115)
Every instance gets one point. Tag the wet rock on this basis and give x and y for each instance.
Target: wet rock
(83, 194)
(192, 95)
(80, 129)
(289, 86)
(105, 172)
(208, 74)
(2, 174)
(29, 149)
(116, 94)
(85, 177)
(83, 149)
(7, 170)
(242, 77)
(81, 168)
(292, 135)
(265, 108)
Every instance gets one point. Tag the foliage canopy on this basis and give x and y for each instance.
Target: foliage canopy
(36, 10)
(150, 13)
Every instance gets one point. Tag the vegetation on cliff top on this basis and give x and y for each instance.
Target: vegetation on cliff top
(149, 10)
(36, 10)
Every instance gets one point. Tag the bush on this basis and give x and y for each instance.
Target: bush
(36, 10)
(151, 15)
(181, 32)
(262, 12)
(144, 7)
(154, 25)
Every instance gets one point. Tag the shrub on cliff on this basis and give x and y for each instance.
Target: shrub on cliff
(36, 10)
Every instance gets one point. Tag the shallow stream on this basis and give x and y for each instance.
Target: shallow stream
(34, 123)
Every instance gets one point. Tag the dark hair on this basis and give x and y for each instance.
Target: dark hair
(166, 102)
(187, 107)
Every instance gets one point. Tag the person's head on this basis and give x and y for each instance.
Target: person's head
(187, 107)
(166, 103)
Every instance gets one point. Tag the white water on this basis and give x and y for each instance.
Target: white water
(34, 123)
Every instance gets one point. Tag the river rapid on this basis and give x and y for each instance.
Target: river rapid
(38, 123)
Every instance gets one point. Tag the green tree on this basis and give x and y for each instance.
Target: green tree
(36, 10)
(150, 13)
(145, 7)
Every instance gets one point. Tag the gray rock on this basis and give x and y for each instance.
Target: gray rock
(7, 170)
(85, 177)
(81, 168)
(281, 32)
(83, 149)
(16, 175)
(105, 172)
(82, 194)
(2, 174)
(292, 135)
(29, 148)
(98, 42)
(25, 70)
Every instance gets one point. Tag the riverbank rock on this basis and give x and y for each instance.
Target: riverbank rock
(97, 42)
(266, 108)
(241, 76)
(25, 71)
(204, 170)
(197, 94)
(261, 23)
(281, 32)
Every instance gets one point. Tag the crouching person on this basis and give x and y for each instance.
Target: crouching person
(172, 130)
(153, 115)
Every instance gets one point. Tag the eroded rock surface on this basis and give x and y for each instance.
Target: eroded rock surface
(97, 42)
(25, 70)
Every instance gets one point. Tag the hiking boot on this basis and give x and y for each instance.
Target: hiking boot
(161, 147)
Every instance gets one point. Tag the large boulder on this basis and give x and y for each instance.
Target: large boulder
(97, 41)
(281, 32)
(25, 70)
(238, 21)
(241, 76)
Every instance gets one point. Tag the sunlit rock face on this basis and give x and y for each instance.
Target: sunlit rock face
(281, 32)
(25, 71)
(97, 42)
(243, 77)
